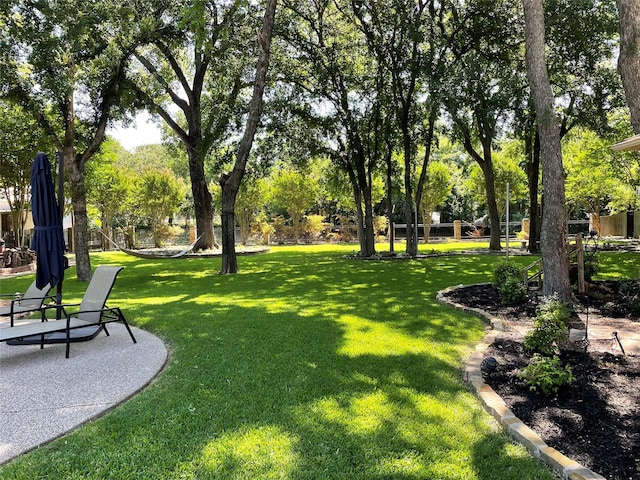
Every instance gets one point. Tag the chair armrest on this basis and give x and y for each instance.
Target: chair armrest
(19, 297)
(110, 312)
(14, 295)
(23, 310)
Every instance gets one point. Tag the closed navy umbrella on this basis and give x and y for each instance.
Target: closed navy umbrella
(48, 239)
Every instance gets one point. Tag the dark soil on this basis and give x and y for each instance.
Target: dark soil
(596, 420)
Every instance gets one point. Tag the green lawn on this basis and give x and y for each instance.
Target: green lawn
(304, 365)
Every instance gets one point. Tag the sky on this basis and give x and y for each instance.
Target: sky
(142, 132)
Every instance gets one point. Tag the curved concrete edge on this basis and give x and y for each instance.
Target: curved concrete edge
(496, 406)
(45, 396)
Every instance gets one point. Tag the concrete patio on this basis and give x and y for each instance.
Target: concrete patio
(43, 395)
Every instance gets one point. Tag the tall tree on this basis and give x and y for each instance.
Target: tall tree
(230, 183)
(554, 217)
(337, 85)
(629, 59)
(406, 39)
(193, 74)
(485, 85)
(586, 87)
(64, 62)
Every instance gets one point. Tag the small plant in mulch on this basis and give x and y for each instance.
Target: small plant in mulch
(550, 327)
(546, 374)
(507, 278)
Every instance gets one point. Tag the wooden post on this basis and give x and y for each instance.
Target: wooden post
(457, 230)
(580, 260)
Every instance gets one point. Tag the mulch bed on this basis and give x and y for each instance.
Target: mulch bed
(596, 420)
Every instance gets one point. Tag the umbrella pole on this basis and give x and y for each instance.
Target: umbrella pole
(61, 209)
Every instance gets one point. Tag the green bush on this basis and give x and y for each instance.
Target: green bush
(507, 278)
(550, 327)
(503, 270)
(379, 224)
(546, 374)
(163, 233)
(630, 293)
(314, 226)
(513, 291)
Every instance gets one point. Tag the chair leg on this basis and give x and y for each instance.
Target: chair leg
(68, 343)
(125, 323)
(129, 330)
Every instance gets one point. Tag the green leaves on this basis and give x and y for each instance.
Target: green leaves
(546, 374)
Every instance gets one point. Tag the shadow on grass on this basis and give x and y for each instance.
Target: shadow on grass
(305, 365)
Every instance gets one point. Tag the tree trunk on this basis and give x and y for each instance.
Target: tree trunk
(554, 218)
(424, 173)
(202, 202)
(411, 246)
(229, 258)
(492, 206)
(231, 183)
(360, 220)
(595, 224)
(486, 165)
(389, 162)
(426, 221)
(75, 168)
(364, 217)
(629, 59)
(368, 227)
(74, 165)
(533, 175)
(367, 244)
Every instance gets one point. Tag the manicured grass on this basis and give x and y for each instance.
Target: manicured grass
(304, 365)
(616, 265)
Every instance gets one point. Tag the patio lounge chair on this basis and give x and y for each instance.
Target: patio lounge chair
(30, 301)
(92, 311)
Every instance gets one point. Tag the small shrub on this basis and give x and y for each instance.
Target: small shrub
(281, 230)
(261, 227)
(550, 327)
(379, 224)
(314, 226)
(504, 270)
(163, 233)
(508, 280)
(348, 230)
(630, 295)
(513, 291)
(546, 374)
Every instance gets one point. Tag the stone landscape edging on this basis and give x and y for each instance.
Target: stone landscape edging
(496, 406)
